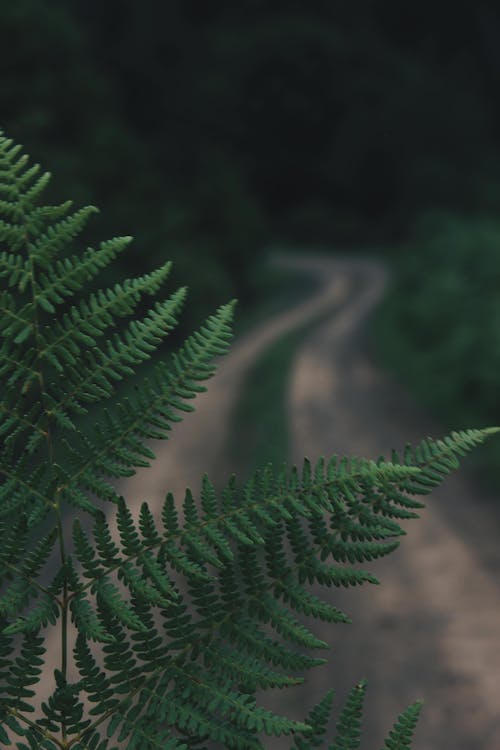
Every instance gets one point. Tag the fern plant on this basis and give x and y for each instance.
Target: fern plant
(181, 622)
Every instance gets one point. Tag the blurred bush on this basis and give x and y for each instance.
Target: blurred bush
(439, 327)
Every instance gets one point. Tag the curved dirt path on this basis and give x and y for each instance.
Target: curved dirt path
(199, 442)
(431, 629)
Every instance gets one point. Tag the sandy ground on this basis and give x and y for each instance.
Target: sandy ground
(431, 629)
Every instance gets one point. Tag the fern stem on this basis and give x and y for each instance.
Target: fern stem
(64, 604)
(233, 512)
(35, 583)
(46, 734)
(50, 452)
(64, 609)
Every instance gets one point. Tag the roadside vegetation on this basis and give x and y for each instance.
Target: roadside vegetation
(259, 427)
(439, 326)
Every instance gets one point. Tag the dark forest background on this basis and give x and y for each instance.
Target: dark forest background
(211, 130)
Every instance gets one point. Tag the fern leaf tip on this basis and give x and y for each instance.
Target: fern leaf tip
(231, 305)
(491, 430)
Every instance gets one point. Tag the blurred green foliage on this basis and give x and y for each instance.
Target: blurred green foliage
(439, 327)
(207, 130)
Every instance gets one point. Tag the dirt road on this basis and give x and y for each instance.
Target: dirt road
(431, 630)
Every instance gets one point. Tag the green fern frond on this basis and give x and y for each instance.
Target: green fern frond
(20, 676)
(51, 243)
(44, 612)
(63, 708)
(401, 734)
(348, 734)
(438, 458)
(87, 321)
(66, 277)
(24, 586)
(243, 669)
(317, 720)
(192, 609)
(93, 680)
(233, 608)
(118, 445)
